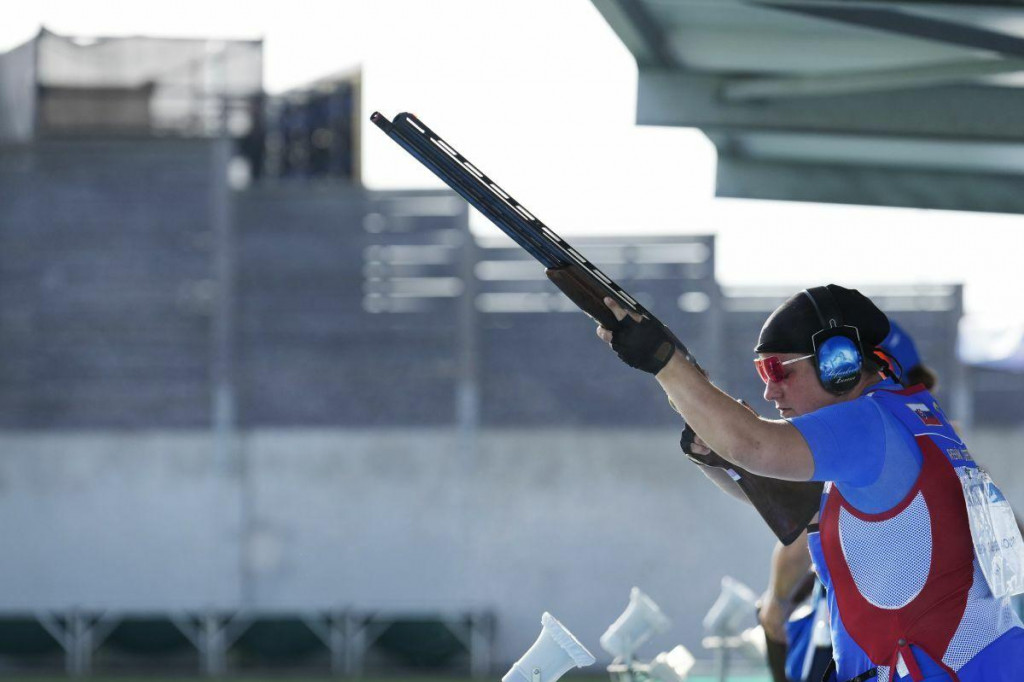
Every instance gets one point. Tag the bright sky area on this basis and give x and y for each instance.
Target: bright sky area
(541, 95)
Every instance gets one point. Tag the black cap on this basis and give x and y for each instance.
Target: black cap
(789, 329)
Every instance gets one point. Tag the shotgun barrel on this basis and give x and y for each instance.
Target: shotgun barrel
(577, 277)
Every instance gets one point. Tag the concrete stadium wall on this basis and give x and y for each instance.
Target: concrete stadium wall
(114, 520)
(415, 519)
(553, 520)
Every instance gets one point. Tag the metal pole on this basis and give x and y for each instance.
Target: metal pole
(337, 625)
(467, 396)
(77, 626)
(961, 389)
(479, 646)
(722, 663)
(716, 314)
(467, 405)
(222, 324)
(227, 453)
(354, 644)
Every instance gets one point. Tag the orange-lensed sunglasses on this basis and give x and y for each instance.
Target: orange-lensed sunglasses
(770, 368)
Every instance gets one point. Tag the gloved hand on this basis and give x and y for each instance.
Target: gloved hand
(643, 344)
(698, 451)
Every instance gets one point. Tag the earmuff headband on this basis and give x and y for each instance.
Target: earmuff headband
(825, 306)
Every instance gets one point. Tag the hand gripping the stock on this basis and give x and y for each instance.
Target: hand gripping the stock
(786, 506)
(687, 443)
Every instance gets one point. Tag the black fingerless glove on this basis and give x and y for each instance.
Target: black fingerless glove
(643, 345)
(711, 459)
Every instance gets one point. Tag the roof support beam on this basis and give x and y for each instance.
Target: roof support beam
(868, 185)
(909, 24)
(752, 89)
(970, 112)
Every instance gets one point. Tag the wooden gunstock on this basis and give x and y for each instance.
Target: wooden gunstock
(581, 288)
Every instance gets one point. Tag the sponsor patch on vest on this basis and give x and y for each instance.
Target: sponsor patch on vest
(959, 454)
(925, 414)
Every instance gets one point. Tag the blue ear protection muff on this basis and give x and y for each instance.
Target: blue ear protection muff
(838, 353)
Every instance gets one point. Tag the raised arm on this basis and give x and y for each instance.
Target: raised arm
(764, 447)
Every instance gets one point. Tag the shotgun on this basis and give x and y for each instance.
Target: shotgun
(577, 277)
(787, 507)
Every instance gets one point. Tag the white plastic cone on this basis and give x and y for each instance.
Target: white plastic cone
(736, 602)
(554, 653)
(641, 619)
(673, 666)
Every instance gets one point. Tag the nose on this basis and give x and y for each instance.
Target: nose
(772, 391)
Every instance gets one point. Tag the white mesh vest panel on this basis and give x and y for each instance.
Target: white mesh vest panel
(889, 559)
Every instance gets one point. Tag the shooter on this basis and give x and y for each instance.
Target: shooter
(905, 561)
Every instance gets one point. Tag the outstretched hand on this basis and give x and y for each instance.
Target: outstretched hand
(639, 341)
(620, 314)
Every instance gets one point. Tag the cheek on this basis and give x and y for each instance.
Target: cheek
(814, 396)
(805, 393)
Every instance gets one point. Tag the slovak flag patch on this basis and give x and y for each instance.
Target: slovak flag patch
(925, 414)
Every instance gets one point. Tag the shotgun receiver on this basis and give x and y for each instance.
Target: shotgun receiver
(586, 286)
